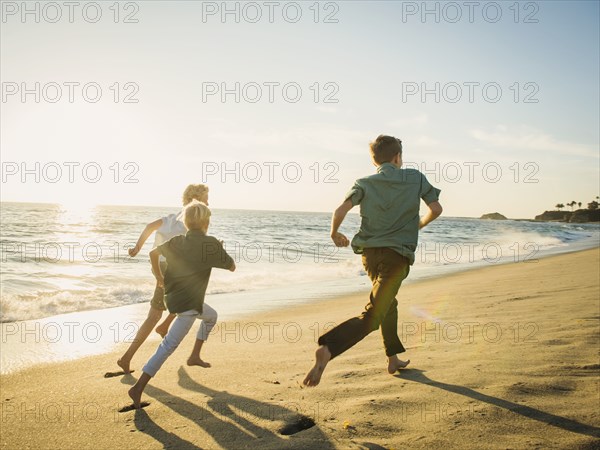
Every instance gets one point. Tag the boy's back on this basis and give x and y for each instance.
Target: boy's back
(190, 259)
(389, 207)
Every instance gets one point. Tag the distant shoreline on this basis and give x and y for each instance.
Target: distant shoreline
(175, 207)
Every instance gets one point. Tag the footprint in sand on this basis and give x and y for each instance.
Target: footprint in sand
(296, 425)
(116, 374)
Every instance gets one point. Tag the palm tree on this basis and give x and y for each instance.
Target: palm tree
(593, 205)
(559, 206)
(571, 204)
(579, 204)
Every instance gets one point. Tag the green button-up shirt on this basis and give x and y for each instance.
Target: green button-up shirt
(389, 208)
(190, 259)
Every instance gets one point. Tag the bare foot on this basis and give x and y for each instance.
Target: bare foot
(135, 395)
(323, 355)
(162, 330)
(193, 361)
(124, 365)
(396, 364)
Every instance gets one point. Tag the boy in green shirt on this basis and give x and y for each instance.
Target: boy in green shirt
(190, 259)
(389, 207)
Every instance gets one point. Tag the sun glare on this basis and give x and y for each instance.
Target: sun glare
(77, 205)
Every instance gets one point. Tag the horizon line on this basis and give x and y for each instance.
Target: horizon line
(235, 209)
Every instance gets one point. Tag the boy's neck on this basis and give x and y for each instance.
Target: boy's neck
(396, 162)
(196, 231)
(397, 166)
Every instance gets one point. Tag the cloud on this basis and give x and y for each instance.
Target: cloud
(425, 141)
(414, 121)
(327, 109)
(527, 138)
(303, 140)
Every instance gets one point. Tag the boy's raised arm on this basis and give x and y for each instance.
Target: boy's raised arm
(336, 221)
(150, 228)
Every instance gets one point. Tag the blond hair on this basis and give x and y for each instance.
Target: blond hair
(196, 216)
(194, 192)
(385, 148)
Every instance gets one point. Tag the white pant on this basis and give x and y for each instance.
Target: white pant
(179, 329)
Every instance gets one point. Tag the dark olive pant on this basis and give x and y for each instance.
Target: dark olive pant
(386, 269)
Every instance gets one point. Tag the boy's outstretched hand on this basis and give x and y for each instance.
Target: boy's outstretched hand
(340, 240)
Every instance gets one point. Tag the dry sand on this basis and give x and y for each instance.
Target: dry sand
(502, 357)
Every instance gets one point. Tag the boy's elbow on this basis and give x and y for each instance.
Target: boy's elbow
(339, 211)
(436, 209)
(153, 226)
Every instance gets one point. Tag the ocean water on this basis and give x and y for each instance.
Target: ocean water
(56, 260)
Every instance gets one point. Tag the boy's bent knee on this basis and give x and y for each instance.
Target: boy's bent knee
(372, 322)
(210, 316)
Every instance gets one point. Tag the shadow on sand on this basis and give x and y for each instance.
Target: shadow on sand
(233, 421)
(573, 426)
(144, 424)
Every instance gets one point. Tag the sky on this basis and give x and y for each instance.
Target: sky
(273, 105)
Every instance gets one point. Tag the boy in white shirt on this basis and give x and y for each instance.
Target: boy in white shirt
(166, 228)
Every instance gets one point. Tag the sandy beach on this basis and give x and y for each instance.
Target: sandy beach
(504, 356)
